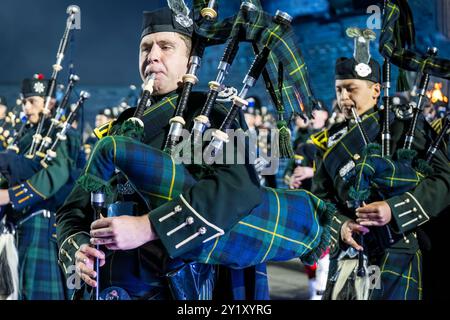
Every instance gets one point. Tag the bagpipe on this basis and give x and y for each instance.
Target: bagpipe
(43, 145)
(71, 24)
(303, 217)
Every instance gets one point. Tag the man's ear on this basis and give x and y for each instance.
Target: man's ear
(376, 88)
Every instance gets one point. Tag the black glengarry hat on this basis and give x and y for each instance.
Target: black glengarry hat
(165, 20)
(349, 68)
(35, 87)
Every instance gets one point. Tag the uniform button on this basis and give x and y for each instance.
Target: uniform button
(178, 208)
(202, 230)
(414, 209)
(356, 157)
(406, 200)
(420, 216)
(189, 220)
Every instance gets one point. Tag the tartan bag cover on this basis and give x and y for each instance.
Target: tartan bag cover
(287, 223)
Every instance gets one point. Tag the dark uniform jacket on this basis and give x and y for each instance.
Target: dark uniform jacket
(30, 187)
(219, 187)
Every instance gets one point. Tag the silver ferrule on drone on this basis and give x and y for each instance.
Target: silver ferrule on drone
(283, 17)
(98, 199)
(176, 129)
(249, 82)
(223, 71)
(212, 149)
(195, 64)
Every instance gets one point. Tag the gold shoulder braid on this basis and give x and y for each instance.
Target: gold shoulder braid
(437, 125)
(320, 139)
(103, 130)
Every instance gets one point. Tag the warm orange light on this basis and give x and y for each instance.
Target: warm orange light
(436, 94)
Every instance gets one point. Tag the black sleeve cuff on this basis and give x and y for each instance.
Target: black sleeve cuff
(181, 228)
(407, 213)
(24, 195)
(66, 253)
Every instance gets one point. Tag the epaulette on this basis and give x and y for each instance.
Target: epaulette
(437, 125)
(103, 130)
(320, 139)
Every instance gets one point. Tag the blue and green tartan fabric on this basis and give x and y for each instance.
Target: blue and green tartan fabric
(240, 284)
(287, 223)
(397, 31)
(401, 277)
(39, 273)
(151, 171)
(258, 27)
(388, 177)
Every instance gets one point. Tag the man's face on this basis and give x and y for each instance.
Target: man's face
(101, 119)
(165, 54)
(356, 93)
(301, 123)
(33, 107)
(319, 120)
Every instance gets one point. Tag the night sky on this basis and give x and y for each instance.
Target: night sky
(104, 51)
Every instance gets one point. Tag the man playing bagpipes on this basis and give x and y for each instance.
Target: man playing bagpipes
(175, 222)
(374, 235)
(32, 197)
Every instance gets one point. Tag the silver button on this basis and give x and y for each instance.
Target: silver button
(189, 220)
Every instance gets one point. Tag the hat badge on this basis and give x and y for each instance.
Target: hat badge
(181, 12)
(183, 20)
(39, 87)
(363, 70)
